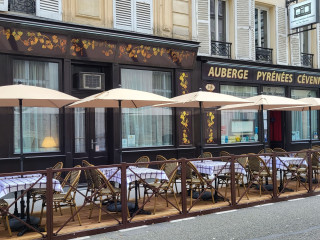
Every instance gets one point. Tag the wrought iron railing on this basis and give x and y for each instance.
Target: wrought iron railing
(264, 54)
(221, 49)
(23, 6)
(307, 60)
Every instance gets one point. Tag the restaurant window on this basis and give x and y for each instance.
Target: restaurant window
(239, 125)
(261, 27)
(79, 130)
(218, 20)
(40, 125)
(300, 120)
(147, 126)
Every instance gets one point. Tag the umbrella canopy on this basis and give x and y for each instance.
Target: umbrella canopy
(118, 98)
(203, 99)
(312, 103)
(31, 96)
(207, 100)
(129, 99)
(265, 102)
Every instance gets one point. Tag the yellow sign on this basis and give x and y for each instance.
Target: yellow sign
(232, 73)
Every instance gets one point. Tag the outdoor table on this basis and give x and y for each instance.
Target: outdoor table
(134, 174)
(213, 168)
(282, 163)
(18, 183)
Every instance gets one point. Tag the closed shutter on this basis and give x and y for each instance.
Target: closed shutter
(143, 16)
(49, 9)
(122, 14)
(3, 5)
(295, 50)
(204, 27)
(282, 39)
(244, 18)
(318, 44)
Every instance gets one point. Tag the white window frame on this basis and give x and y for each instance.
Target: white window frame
(259, 25)
(217, 19)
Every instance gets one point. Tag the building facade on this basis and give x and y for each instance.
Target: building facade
(169, 47)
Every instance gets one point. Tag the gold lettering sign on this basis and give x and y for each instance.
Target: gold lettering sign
(230, 73)
(309, 80)
(275, 76)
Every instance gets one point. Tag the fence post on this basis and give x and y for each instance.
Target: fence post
(233, 181)
(274, 176)
(49, 203)
(124, 200)
(309, 154)
(184, 186)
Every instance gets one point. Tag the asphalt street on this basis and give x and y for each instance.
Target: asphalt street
(293, 219)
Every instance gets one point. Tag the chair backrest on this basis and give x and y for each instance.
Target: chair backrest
(224, 153)
(87, 174)
(315, 147)
(196, 172)
(143, 159)
(243, 161)
(169, 168)
(315, 156)
(281, 152)
(74, 177)
(59, 165)
(302, 154)
(206, 155)
(253, 163)
(160, 158)
(268, 150)
(100, 181)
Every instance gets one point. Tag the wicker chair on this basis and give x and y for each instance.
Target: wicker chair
(143, 159)
(224, 154)
(258, 170)
(87, 174)
(159, 188)
(68, 198)
(160, 158)
(36, 194)
(315, 157)
(4, 207)
(281, 152)
(243, 161)
(206, 155)
(268, 150)
(104, 191)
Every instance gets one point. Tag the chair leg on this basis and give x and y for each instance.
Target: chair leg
(8, 225)
(41, 213)
(100, 209)
(155, 202)
(175, 197)
(75, 207)
(129, 190)
(33, 201)
(71, 212)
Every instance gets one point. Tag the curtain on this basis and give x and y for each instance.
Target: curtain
(38, 123)
(100, 130)
(147, 126)
(79, 130)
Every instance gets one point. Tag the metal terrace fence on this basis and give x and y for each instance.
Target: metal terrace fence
(127, 195)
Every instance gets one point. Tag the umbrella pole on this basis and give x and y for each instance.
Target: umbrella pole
(310, 127)
(263, 140)
(201, 130)
(120, 131)
(21, 138)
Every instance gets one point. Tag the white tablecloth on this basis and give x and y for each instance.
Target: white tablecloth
(283, 162)
(22, 183)
(217, 167)
(143, 173)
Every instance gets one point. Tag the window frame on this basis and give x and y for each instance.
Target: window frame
(302, 41)
(259, 25)
(217, 20)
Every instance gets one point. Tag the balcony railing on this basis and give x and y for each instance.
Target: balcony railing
(307, 60)
(221, 49)
(264, 54)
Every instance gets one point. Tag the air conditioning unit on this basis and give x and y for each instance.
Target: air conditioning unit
(90, 81)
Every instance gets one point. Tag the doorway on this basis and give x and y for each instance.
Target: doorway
(276, 129)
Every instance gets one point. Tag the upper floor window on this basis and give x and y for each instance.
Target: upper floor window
(261, 27)
(305, 48)
(133, 15)
(41, 8)
(218, 19)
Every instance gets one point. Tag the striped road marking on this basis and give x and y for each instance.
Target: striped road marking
(226, 211)
(297, 199)
(263, 205)
(134, 228)
(182, 219)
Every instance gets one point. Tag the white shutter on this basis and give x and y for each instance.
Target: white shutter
(49, 9)
(282, 36)
(3, 5)
(244, 18)
(318, 44)
(204, 27)
(295, 50)
(123, 14)
(143, 16)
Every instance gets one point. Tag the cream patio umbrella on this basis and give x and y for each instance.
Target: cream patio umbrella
(312, 103)
(119, 98)
(31, 96)
(265, 102)
(203, 99)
